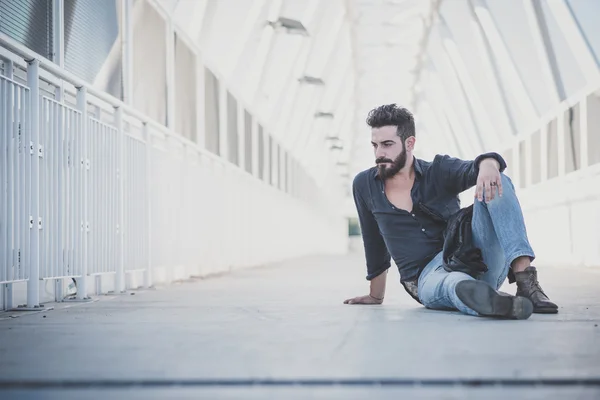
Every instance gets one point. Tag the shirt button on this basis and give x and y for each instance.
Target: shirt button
(423, 229)
(413, 215)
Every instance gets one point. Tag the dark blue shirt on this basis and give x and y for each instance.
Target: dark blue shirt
(412, 238)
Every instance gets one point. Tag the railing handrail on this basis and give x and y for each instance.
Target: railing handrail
(49, 66)
(52, 68)
(29, 55)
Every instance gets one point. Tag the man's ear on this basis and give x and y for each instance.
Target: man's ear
(410, 143)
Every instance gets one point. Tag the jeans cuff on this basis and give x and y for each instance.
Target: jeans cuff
(514, 256)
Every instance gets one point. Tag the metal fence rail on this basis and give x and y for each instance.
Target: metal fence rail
(103, 191)
(158, 197)
(193, 187)
(60, 190)
(135, 198)
(15, 166)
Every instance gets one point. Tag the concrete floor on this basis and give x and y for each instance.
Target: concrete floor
(286, 324)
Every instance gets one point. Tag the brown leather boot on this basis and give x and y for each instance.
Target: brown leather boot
(482, 298)
(528, 286)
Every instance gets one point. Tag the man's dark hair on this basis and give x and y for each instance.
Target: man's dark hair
(391, 114)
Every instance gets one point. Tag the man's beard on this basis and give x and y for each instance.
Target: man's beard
(386, 172)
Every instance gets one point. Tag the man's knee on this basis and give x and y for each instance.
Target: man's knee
(441, 297)
(508, 191)
(506, 181)
(436, 302)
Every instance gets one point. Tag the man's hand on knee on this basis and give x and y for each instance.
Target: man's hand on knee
(488, 179)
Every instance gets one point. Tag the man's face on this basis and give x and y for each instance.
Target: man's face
(390, 152)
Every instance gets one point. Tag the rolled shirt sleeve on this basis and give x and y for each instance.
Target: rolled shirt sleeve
(376, 253)
(460, 175)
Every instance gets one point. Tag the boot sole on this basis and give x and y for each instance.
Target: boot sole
(545, 310)
(480, 296)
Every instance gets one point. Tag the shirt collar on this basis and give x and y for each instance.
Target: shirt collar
(416, 162)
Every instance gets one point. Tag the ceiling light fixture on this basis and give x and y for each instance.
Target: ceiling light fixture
(311, 80)
(292, 26)
(321, 114)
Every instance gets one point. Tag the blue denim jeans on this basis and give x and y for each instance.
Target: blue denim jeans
(499, 231)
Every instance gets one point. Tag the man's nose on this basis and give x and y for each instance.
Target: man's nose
(379, 153)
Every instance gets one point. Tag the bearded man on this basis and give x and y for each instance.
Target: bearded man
(404, 207)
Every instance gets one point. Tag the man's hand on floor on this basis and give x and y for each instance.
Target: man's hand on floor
(368, 299)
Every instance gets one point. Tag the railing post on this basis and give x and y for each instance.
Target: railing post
(127, 51)
(85, 168)
(560, 131)
(148, 139)
(120, 274)
(58, 96)
(544, 151)
(6, 291)
(33, 283)
(583, 133)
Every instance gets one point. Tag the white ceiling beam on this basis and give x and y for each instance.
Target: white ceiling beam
(282, 109)
(440, 130)
(506, 64)
(479, 114)
(421, 55)
(235, 49)
(291, 96)
(262, 54)
(575, 39)
(307, 124)
(343, 91)
(189, 16)
(278, 66)
(410, 15)
(544, 51)
(492, 74)
(440, 99)
(205, 12)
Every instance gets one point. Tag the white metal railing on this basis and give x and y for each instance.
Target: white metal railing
(135, 203)
(15, 183)
(61, 177)
(111, 192)
(103, 192)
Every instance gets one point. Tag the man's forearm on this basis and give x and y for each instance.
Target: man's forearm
(378, 286)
